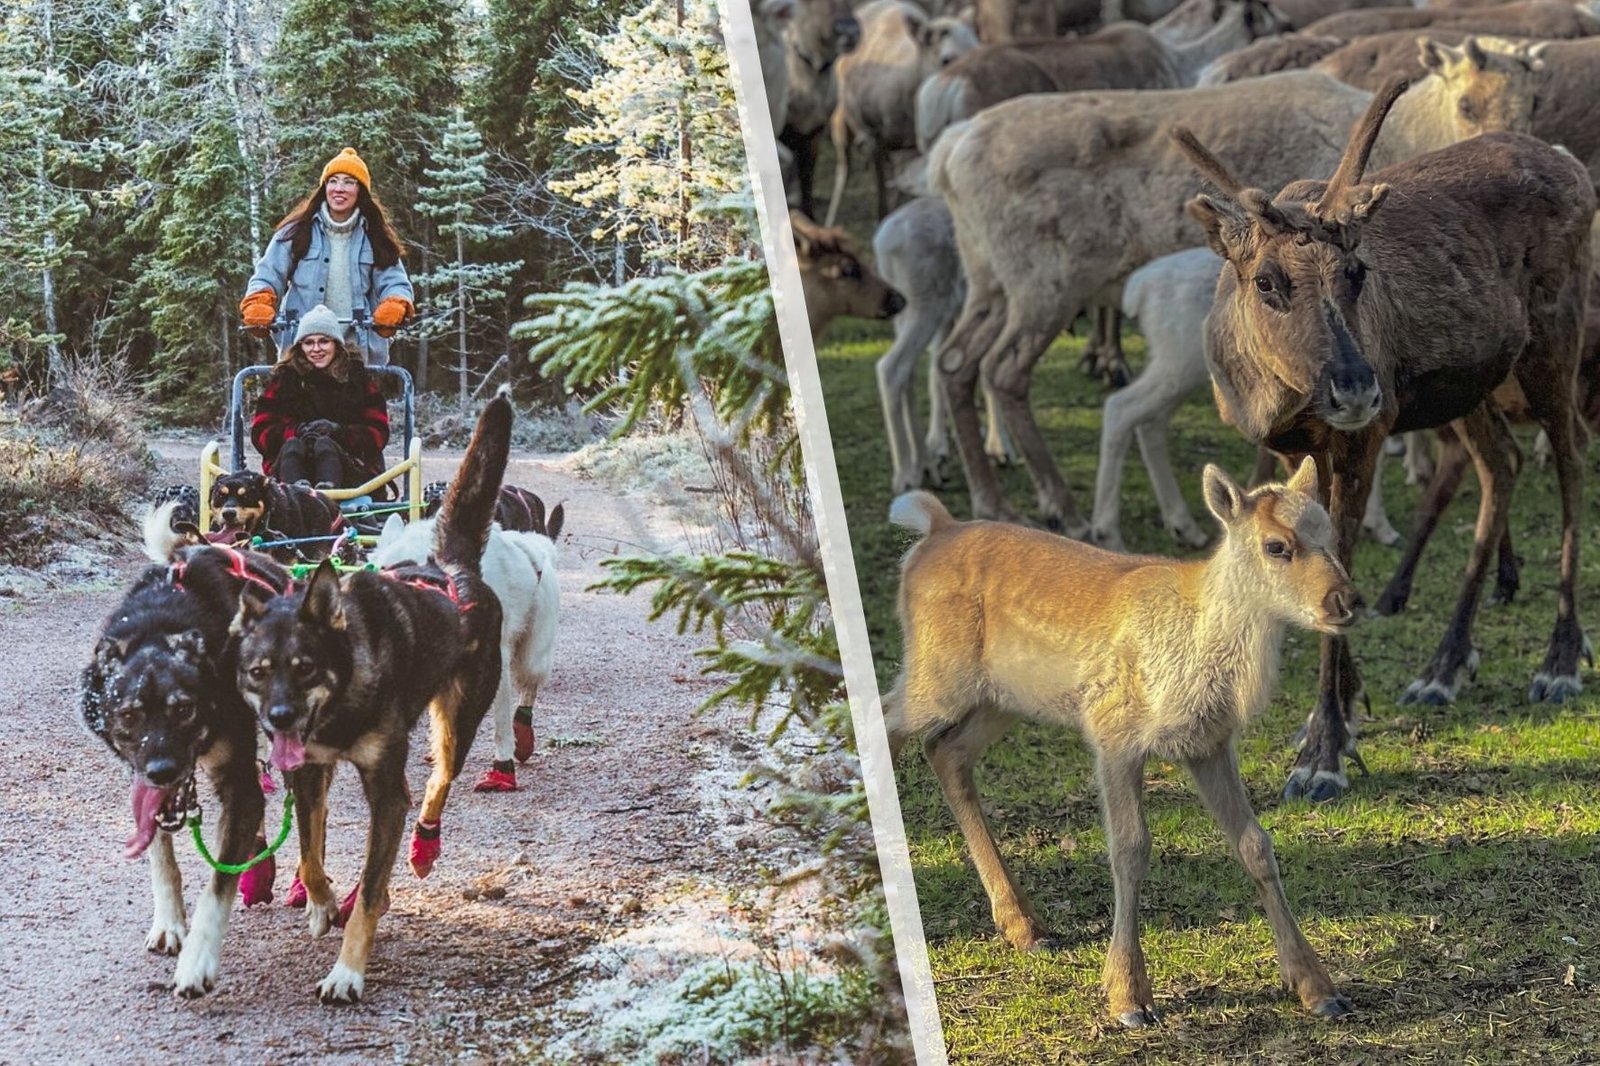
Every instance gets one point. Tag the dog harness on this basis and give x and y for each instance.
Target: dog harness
(444, 586)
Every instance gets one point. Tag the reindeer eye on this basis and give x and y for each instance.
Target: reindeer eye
(1263, 283)
(1277, 549)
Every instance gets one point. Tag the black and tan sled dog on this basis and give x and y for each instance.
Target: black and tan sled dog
(160, 692)
(344, 668)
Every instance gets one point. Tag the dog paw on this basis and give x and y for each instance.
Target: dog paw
(255, 884)
(342, 985)
(321, 917)
(166, 936)
(424, 849)
(342, 918)
(197, 972)
(496, 780)
(522, 733)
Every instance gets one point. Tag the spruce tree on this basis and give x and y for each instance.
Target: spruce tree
(451, 198)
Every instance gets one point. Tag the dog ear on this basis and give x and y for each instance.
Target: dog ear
(189, 532)
(393, 526)
(250, 608)
(536, 512)
(111, 650)
(322, 603)
(553, 526)
(190, 644)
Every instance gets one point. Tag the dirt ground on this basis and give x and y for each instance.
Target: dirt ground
(630, 821)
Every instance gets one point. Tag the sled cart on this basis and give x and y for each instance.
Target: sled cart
(363, 505)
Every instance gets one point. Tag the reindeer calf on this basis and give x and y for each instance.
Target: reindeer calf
(1145, 656)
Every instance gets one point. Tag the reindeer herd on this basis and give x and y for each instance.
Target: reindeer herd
(1358, 222)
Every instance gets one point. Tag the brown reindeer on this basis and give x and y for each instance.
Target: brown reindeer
(1088, 186)
(834, 278)
(1145, 656)
(1352, 309)
(1530, 18)
(820, 32)
(1452, 464)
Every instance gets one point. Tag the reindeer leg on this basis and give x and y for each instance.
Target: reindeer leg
(1126, 982)
(960, 366)
(1216, 776)
(1330, 732)
(1558, 679)
(1488, 440)
(1440, 491)
(953, 750)
(1008, 368)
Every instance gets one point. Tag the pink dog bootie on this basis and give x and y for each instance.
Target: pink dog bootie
(522, 733)
(500, 777)
(255, 884)
(424, 847)
(349, 905)
(297, 894)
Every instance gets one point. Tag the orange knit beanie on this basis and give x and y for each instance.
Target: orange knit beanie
(347, 162)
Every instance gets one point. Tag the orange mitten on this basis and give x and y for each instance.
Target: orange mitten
(391, 313)
(259, 308)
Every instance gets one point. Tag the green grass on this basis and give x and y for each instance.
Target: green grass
(1453, 893)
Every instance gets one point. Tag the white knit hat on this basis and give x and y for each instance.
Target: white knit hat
(319, 320)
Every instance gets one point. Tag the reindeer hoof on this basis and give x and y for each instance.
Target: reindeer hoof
(1547, 689)
(1142, 1018)
(1318, 786)
(1335, 1006)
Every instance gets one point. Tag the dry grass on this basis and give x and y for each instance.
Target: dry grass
(70, 464)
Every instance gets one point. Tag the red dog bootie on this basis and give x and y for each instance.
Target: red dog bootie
(255, 884)
(424, 847)
(349, 906)
(522, 732)
(500, 777)
(297, 894)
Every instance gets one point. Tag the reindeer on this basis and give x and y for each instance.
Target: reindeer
(819, 33)
(1351, 309)
(900, 47)
(835, 280)
(1087, 187)
(1145, 656)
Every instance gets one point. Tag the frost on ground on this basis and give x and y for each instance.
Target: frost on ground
(728, 968)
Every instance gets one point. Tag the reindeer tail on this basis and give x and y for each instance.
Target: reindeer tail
(921, 512)
(462, 532)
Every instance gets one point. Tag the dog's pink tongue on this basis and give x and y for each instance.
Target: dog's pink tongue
(147, 803)
(288, 751)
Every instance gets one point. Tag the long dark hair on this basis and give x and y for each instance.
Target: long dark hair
(387, 248)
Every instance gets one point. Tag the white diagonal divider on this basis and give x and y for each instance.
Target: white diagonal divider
(805, 385)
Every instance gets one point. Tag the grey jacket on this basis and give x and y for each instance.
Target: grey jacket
(369, 286)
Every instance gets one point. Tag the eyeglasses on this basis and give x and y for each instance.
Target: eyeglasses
(317, 340)
(343, 181)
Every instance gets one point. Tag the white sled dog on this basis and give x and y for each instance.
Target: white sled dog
(521, 569)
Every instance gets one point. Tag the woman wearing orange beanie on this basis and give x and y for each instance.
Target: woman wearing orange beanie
(335, 248)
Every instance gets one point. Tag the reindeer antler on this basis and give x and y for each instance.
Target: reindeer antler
(1209, 166)
(1362, 138)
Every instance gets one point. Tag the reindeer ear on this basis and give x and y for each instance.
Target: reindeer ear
(322, 603)
(1435, 56)
(1226, 226)
(1305, 479)
(1223, 495)
(917, 27)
